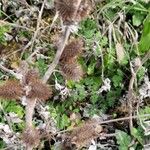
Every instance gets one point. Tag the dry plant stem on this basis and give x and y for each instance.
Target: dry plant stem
(29, 115)
(114, 120)
(2, 22)
(52, 24)
(131, 95)
(52, 66)
(125, 118)
(109, 135)
(38, 24)
(29, 111)
(54, 19)
(131, 84)
(65, 38)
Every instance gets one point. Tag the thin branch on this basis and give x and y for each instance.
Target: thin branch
(125, 118)
(131, 95)
(38, 24)
(2, 22)
(29, 59)
(29, 111)
(113, 120)
(109, 135)
(52, 24)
